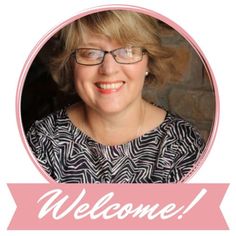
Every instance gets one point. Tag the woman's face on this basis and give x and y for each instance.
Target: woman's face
(109, 87)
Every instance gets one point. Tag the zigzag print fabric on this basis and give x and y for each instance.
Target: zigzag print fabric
(163, 155)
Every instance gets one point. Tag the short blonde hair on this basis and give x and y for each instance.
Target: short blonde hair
(125, 27)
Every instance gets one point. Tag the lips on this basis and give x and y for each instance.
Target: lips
(109, 87)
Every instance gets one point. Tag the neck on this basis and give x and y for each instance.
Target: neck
(114, 129)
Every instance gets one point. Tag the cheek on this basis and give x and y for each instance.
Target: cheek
(80, 77)
(79, 81)
(137, 72)
(140, 69)
(78, 74)
(83, 78)
(84, 73)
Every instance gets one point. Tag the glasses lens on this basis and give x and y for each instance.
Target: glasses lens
(92, 56)
(128, 55)
(89, 56)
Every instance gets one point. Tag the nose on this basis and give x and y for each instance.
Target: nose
(109, 65)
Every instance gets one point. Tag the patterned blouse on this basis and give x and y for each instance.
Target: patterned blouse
(163, 155)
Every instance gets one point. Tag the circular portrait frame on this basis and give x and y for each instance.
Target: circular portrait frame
(174, 29)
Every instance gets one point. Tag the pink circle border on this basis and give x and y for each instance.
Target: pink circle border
(156, 15)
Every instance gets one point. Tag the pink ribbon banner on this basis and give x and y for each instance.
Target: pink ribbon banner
(118, 206)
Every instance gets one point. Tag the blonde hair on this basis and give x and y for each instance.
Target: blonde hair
(125, 27)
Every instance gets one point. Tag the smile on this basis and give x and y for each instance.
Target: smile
(109, 87)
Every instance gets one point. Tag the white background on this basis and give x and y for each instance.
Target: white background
(209, 23)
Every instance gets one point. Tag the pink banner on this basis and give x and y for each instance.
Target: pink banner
(118, 206)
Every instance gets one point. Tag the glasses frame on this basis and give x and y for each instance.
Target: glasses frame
(143, 50)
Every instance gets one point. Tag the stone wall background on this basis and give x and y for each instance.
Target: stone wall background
(192, 97)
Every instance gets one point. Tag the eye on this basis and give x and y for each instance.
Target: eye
(129, 52)
(125, 52)
(90, 53)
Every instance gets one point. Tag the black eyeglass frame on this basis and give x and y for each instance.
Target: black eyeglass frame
(143, 50)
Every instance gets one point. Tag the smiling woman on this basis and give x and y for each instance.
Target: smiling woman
(112, 134)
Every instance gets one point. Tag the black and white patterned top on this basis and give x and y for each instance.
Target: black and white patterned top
(163, 155)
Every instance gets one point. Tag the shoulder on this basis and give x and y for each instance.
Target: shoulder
(49, 124)
(182, 131)
(178, 124)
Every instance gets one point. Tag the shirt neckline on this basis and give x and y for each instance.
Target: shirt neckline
(78, 131)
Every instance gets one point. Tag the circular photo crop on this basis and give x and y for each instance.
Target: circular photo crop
(117, 95)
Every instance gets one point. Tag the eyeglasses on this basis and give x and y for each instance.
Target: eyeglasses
(92, 56)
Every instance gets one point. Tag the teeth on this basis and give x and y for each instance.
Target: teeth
(109, 86)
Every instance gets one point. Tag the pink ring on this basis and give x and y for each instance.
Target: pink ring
(156, 15)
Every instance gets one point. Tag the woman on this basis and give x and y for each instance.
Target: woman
(113, 135)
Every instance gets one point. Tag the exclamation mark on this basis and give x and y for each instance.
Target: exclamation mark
(193, 203)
